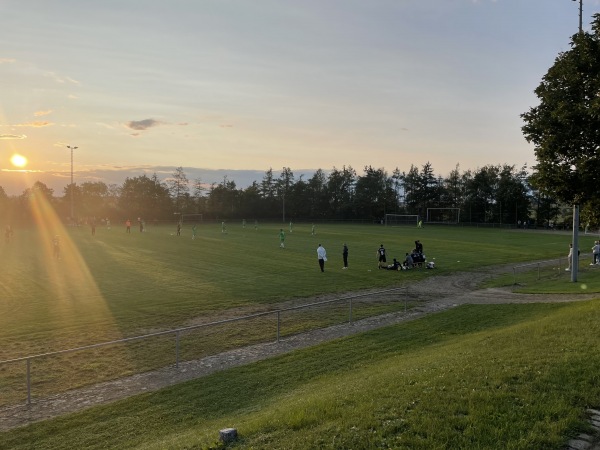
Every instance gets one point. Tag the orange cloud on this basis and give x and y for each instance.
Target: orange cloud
(42, 113)
(36, 124)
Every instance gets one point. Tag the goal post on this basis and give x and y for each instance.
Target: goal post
(395, 220)
(190, 219)
(443, 215)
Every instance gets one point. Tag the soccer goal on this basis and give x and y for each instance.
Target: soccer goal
(395, 220)
(449, 216)
(191, 219)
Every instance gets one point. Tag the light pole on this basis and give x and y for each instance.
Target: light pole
(580, 15)
(70, 147)
(575, 239)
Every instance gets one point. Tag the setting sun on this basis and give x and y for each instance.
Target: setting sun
(18, 160)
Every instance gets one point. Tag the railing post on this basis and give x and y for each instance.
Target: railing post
(177, 350)
(29, 381)
(278, 325)
(350, 318)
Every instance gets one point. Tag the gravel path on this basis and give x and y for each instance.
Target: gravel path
(436, 293)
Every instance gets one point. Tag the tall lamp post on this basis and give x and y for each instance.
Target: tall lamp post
(70, 147)
(580, 15)
(575, 242)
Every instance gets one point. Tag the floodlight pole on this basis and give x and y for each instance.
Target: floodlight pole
(575, 256)
(580, 15)
(70, 147)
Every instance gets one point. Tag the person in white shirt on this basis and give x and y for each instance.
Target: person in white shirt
(596, 253)
(322, 255)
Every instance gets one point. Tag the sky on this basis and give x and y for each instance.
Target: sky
(231, 88)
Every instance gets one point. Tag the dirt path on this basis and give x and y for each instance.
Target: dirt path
(436, 293)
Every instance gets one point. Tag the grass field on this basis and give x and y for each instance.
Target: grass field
(115, 285)
(475, 377)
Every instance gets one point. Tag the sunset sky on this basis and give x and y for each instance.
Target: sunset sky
(143, 86)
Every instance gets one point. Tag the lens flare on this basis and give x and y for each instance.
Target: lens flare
(18, 160)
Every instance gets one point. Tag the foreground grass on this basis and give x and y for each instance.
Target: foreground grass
(477, 377)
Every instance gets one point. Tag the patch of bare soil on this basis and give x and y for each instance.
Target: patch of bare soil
(435, 293)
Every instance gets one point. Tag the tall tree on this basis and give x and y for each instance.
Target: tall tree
(178, 187)
(374, 195)
(145, 197)
(564, 126)
(340, 192)
(94, 196)
(317, 194)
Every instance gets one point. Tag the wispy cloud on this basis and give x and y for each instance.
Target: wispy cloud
(13, 136)
(36, 124)
(143, 124)
(42, 113)
(7, 60)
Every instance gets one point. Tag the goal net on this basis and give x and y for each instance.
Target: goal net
(443, 215)
(395, 220)
(190, 219)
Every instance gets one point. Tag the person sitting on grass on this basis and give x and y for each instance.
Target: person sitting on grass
(408, 261)
(395, 265)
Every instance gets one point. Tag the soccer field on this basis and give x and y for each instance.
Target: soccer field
(116, 285)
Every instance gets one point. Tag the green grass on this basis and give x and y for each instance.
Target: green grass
(476, 377)
(116, 285)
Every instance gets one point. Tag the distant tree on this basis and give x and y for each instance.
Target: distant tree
(178, 187)
(93, 199)
(340, 192)
(6, 206)
(411, 182)
(223, 200)
(453, 192)
(513, 194)
(564, 126)
(36, 201)
(317, 194)
(481, 191)
(145, 197)
(251, 202)
(283, 186)
(374, 194)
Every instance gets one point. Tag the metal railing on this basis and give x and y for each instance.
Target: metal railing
(558, 262)
(177, 332)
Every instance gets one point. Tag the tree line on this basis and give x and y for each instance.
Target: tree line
(499, 194)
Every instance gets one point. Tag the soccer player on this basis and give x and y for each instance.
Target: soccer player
(313, 231)
(56, 247)
(128, 226)
(345, 256)
(194, 232)
(223, 229)
(291, 226)
(281, 238)
(381, 256)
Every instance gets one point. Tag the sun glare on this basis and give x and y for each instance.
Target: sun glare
(18, 160)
